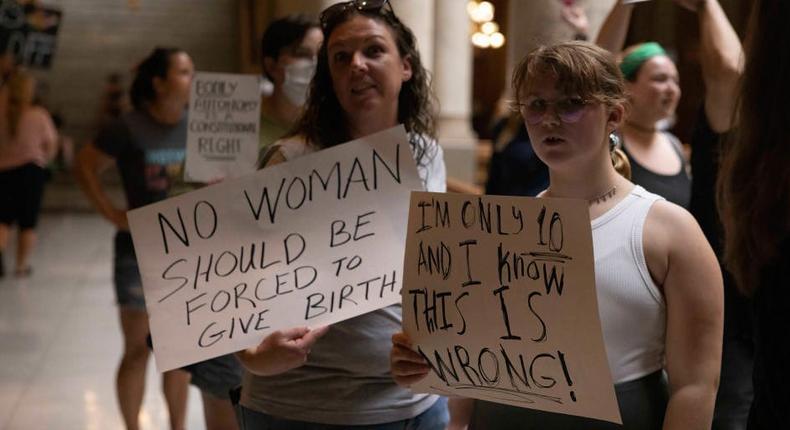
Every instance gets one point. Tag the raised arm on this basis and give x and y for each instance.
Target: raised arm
(615, 28)
(90, 163)
(722, 64)
(677, 251)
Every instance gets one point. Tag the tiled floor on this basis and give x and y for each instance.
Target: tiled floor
(60, 340)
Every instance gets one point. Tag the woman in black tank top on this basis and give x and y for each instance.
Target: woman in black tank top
(676, 188)
(653, 93)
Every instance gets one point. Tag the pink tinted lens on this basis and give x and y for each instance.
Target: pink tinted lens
(571, 116)
(533, 116)
(568, 113)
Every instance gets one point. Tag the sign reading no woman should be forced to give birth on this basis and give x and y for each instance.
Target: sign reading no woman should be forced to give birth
(310, 242)
(499, 298)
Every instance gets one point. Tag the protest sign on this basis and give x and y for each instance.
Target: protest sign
(499, 297)
(224, 118)
(29, 32)
(310, 242)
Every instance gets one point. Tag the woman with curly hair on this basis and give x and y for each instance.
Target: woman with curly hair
(369, 78)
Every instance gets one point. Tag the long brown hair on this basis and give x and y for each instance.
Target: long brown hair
(582, 69)
(754, 183)
(323, 123)
(20, 98)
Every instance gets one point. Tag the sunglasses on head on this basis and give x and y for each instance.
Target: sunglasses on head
(330, 14)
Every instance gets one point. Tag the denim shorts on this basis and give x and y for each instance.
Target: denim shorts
(434, 418)
(217, 376)
(126, 274)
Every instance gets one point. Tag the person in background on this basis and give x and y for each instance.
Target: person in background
(652, 83)
(113, 101)
(289, 47)
(721, 58)
(721, 62)
(514, 169)
(657, 280)
(754, 199)
(369, 78)
(148, 146)
(28, 143)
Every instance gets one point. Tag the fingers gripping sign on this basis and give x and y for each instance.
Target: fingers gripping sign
(282, 350)
(407, 365)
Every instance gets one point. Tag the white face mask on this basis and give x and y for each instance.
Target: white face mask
(297, 81)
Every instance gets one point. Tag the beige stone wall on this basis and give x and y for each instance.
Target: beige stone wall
(98, 37)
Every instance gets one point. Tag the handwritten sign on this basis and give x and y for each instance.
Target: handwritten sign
(500, 299)
(29, 32)
(224, 118)
(310, 242)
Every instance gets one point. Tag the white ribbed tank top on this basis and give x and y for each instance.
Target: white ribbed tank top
(631, 306)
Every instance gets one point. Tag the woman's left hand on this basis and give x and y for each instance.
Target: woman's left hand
(281, 350)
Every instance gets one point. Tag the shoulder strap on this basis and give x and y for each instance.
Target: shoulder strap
(267, 153)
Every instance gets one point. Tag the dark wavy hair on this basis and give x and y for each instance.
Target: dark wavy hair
(154, 65)
(323, 123)
(284, 33)
(754, 182)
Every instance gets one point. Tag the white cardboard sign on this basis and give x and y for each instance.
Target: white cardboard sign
(224, 119)
(499, 298)
(310, 242)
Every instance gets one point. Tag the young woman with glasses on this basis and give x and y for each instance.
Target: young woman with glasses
(369, 78)
(658, 283)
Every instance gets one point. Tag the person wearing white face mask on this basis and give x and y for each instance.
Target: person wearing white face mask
(288, 50)
(297, 81)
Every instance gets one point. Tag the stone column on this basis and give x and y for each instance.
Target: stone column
(418, 15)
(452, 83)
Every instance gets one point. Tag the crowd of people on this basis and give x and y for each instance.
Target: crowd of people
(690, 253)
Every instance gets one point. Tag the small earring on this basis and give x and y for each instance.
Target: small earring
(614, 141)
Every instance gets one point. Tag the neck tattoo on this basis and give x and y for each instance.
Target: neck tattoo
(603, 197)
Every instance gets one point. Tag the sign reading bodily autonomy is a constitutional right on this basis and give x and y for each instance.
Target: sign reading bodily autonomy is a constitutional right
(499, 297)
(224, 119)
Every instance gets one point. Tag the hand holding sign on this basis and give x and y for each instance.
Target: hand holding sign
(281, 351)
(408, 367)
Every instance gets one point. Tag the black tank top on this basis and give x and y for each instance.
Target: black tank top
(675, 188)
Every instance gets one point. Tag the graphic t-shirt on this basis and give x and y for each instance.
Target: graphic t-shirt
(150, 156)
